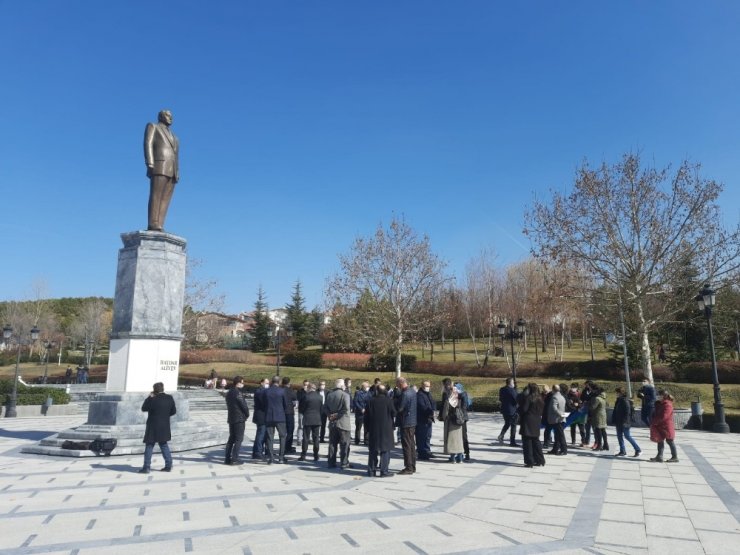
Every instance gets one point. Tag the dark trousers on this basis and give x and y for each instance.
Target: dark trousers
(313, 433)
(339, 438)
(234, 445)
(548, 435)
(600, 435)
(408, 444)
(532, 449)
(466, 445)
(289, 429)
(424, 439)
(581, 430)
(323, 427)
(509, 423)
(588, 432)
(646, 414)
(359, 425)
(559, 445)
(661, 447)
(260, 437)
(372, 462)
(280, 427)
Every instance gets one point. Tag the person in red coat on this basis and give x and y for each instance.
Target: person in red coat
(662, 430)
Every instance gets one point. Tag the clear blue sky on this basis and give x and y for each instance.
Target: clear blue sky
(305, 124)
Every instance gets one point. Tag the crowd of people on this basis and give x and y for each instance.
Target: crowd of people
(584, 411)
(404, 414)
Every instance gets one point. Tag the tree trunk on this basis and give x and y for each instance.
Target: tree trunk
(399, 344)
(454, 351)
(647, 365)
(431, 351)
(536, 355)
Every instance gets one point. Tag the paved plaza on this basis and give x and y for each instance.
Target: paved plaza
(580, 503)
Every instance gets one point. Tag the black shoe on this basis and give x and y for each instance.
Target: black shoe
(562, 453)
(302, 457)
(168, 469)
(144, 471)
(236, 463)
(269, 461)
(386, 475)
(552, 452)
(467, 458)
(406, 471)
(315, 458)
(528, 466)
(227, 463)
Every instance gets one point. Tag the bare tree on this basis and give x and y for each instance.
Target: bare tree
(91, 327)
(637, 228)
(201, 300)
(393, 273)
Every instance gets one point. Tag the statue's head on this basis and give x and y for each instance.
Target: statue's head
(165, 116)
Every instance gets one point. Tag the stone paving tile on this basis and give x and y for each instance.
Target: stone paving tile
(584, 503)
(719, 543)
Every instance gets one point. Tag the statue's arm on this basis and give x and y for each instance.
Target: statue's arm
(149, 146)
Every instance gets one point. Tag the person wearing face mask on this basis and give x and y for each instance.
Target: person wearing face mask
(238, 412)
(359, 406)
(424, 420)
(260, 436)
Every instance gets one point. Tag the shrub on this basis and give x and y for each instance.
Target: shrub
(303, 359)
(387, 363)
(205, 356)
(33, 395)
(349, 361)
(701, 372)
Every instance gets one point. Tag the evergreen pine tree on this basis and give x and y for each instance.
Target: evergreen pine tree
(261, 330)
(298, 318)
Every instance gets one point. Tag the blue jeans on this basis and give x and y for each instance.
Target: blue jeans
(622, 433)
(149, 449)
(258, 449)
(424, 439)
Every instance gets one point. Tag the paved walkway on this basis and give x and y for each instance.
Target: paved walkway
(582, 503)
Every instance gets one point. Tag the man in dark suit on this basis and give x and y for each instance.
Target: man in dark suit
(160, 407)
(425, 418)
(276, 406)
(161, 150)
(238, 414)
(406, 407)
(507, 397)
(258, 449)
(379, 416)
(310, 407)
(292, 400)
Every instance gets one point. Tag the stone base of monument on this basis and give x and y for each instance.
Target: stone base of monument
(119, 416)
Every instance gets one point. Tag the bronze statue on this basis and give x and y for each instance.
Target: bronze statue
(161, 156)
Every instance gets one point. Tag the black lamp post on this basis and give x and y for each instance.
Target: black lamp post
(277, 339)
(47, 347)
(706, 301)
(501, 333)
(11, 411)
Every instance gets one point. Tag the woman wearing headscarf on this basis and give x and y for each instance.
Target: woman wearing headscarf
(662, 429)
(452, 411)
(530, 412)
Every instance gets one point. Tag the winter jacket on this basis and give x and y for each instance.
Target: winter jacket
(661, 426)
(597, 412)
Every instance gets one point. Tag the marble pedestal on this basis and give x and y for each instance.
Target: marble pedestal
(147, 312)
(144, 349)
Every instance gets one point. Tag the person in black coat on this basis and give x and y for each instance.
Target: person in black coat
(238, 412)
(379, 416)
(258, 417)
(424, 419)
(160, 407)
(530, 412)
(622, 420)
(507, 397)
(291, 399)
(276, 407)
(310, 407)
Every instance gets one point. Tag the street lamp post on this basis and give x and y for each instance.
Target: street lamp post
(277, 338)
(706, 301)
(521, 327)
(501, 333)
(47, 347)
(11, 411)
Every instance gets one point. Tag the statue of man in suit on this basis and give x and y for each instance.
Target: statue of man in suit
(161, 156)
